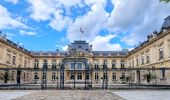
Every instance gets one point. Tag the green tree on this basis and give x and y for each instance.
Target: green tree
(149, 77)
(5, 76)
(166, 1)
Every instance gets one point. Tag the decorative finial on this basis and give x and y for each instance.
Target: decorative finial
(82, 32)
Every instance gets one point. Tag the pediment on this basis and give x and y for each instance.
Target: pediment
(80, 53)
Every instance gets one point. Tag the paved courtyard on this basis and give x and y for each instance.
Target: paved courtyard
(85, 95)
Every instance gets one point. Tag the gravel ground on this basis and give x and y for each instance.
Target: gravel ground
(71, 95)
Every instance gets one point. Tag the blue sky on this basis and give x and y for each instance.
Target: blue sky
(107, 24)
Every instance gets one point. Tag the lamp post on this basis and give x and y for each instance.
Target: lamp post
(19, 75)
(154, 75)
(91, 75)
(74, 74)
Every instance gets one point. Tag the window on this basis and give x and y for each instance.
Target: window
(123, 77)
(36, 64)
(8, 58)
(130, 64)
(133, 63)
(14, 60)
(113, 64)
(72, 75)
(53, 64)
(25, 63)
(104, 66)
(24, 76)
(142, 60)
(105, 76)
(147, 58)
(79, 76)
(72, 66)
(113, 76)
(122, 63)
(44, 75)
(137, 62)
(161, 55)
(27, 76)
(79, 66)
(12, 76)
(35, 75)
(105, 62)
(96, 76)
(45, 64)
(87, 76)
(53, 76)
(96, 66)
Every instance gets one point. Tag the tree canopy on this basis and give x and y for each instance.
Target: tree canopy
(165, 1)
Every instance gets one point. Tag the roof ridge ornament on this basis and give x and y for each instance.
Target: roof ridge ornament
(82, 33)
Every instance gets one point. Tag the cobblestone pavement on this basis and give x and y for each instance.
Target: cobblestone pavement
(71, 95)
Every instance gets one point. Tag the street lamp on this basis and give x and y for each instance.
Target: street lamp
(19, 75)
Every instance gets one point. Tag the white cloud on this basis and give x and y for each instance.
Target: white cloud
(41, 9)
(7, 21)
(103, 43)
(12, 1)
(59, 22)
(22, 32)
(91, 23)
(137, 18)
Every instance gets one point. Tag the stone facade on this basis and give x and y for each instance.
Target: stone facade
(81, 63)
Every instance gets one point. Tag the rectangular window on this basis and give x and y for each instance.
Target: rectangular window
(14, 60)
(122, 64)
(96, 66)
(137, 62)
(27, 76)
(53, 76)
(129, 64)
(25, 63)
(79, 66)
(147, 58)
(35, 75)
(24, 76)
(161, 54)
(142, 60)
(45, 76)
(113, 76)
(12, 76)
(105, 76)
(133, 63)
(123, 77)
(72, 66)
(105, 62)
(36, 64)
(72, 75)
(113, 64)
(87, 76)
(8, 58)
(79, 76)
(96, 76)
(54, 64)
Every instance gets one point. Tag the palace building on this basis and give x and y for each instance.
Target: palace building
(81, 66)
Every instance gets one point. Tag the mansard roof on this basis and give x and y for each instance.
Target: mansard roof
(110, 53)
(166, 23)
(47, 53)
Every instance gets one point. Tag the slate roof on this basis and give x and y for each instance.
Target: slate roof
(166, 23)
(111, 53)
(46, 53)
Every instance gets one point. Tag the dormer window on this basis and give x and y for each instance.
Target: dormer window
(79, 46)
